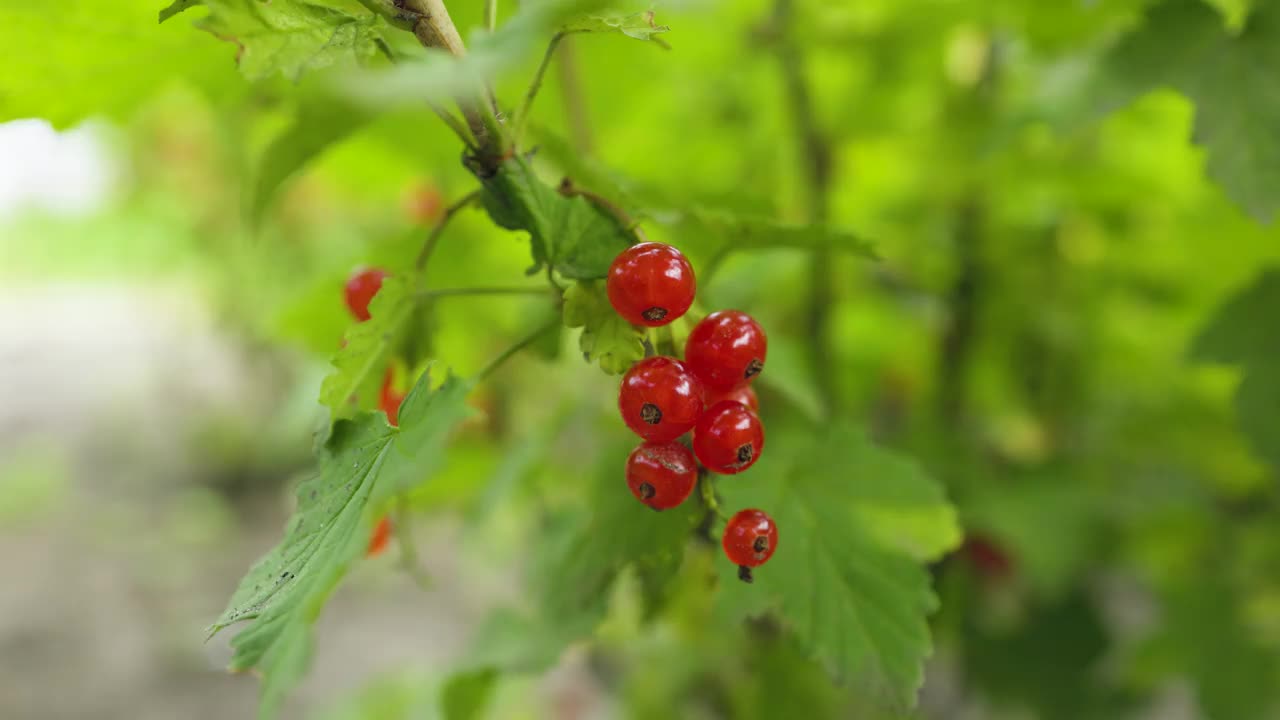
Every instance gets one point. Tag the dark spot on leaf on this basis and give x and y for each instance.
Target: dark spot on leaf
(650, 413)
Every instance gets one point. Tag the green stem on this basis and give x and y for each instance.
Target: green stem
(568, 189)
(433, 238)
(519, 345)
(463, 291)
(522, 116)
(490, 14)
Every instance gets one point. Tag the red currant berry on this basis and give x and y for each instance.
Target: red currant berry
(726, 349)
(749, 540)
(660, 399)
(361, 288)
(379, 538)
(424, 204)
(389, 400)
(650, 284)
(744, 395)
(728, 438)
(661, 475)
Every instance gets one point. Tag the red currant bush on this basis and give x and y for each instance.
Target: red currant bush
(749, 540)
(728, 438)
(361, 288)
(744, 395)
(660, 399)
(650, 284)
(726, 350)
(661, 475)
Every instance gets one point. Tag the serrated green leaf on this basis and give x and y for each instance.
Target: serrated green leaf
(639, 26)
(290, 37)
(363, 463)
(69, 60)
(318, 124)
(1184, 45)
(578, 239)
(360, 365)
(606, 337)
(855, 599)
(178, 6)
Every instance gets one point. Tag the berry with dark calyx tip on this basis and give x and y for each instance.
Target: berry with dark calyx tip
(389, 399)
(750, 538)
(361, 288)
(728, 438)
(379, 538)
(650, 284)
(726, 350)
(661, 475)
(660, 399)
(744, 395)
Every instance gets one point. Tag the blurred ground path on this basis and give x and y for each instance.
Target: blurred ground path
(114, 551)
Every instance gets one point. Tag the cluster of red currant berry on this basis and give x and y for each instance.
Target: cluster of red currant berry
(709, 392)
(359, 292)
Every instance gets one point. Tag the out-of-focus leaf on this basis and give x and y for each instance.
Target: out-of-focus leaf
(178, 6)
(465, 695)
(606, 337)
(640, 26)
(318, 124)
(291, 37)
(360, 364)
(364, 462)
(69, 60)
(1184, 45)
(578, 239)
(854, 597)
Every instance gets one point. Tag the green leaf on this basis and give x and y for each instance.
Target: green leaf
(840, 576)
(1184, 45)
(606, 338)
(414, 694)
(319, 124)
(69, 60)
(465, 695)
(290, 37)
(637, 25)
(178, 6)
(361, 363)
(1243, 331)
(578, 239)
(741, 232)
(363, 463)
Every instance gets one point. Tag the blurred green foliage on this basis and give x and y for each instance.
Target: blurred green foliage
(1045, 285)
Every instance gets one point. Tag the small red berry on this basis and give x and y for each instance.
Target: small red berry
(661, 475)
(726, 349)
(749, 540)
(660, 399)
(744, 395)
(987, 555)
(379, 538)
(650, 284)
(389, 399)
(728, 438)
(361, 288)
(424, 204)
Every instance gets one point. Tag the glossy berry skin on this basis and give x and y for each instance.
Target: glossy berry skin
(361, 288)
(650, 284)
(750, 538)
(660, 399)
(728, 438)
(726, 350)
(379, 538)
(661, 475)
(744, 395)
(389, 399)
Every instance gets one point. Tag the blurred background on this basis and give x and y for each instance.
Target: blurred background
(1044, 332)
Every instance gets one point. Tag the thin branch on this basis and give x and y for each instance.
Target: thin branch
(816, 160)
(575, 104)
(490, 14)
(433, 238)
(520, 344)
(522, 116)
(459, 128)
(568, 189)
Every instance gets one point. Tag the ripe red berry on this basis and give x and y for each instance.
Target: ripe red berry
(749, 540)
(726, 349)
(987, 555)
(424, 204)
(660, 399)
(661, 475)
(379, 538)
(651, 284)
(744, 395)
(389, 399)
(728, 438)
(361, 288)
